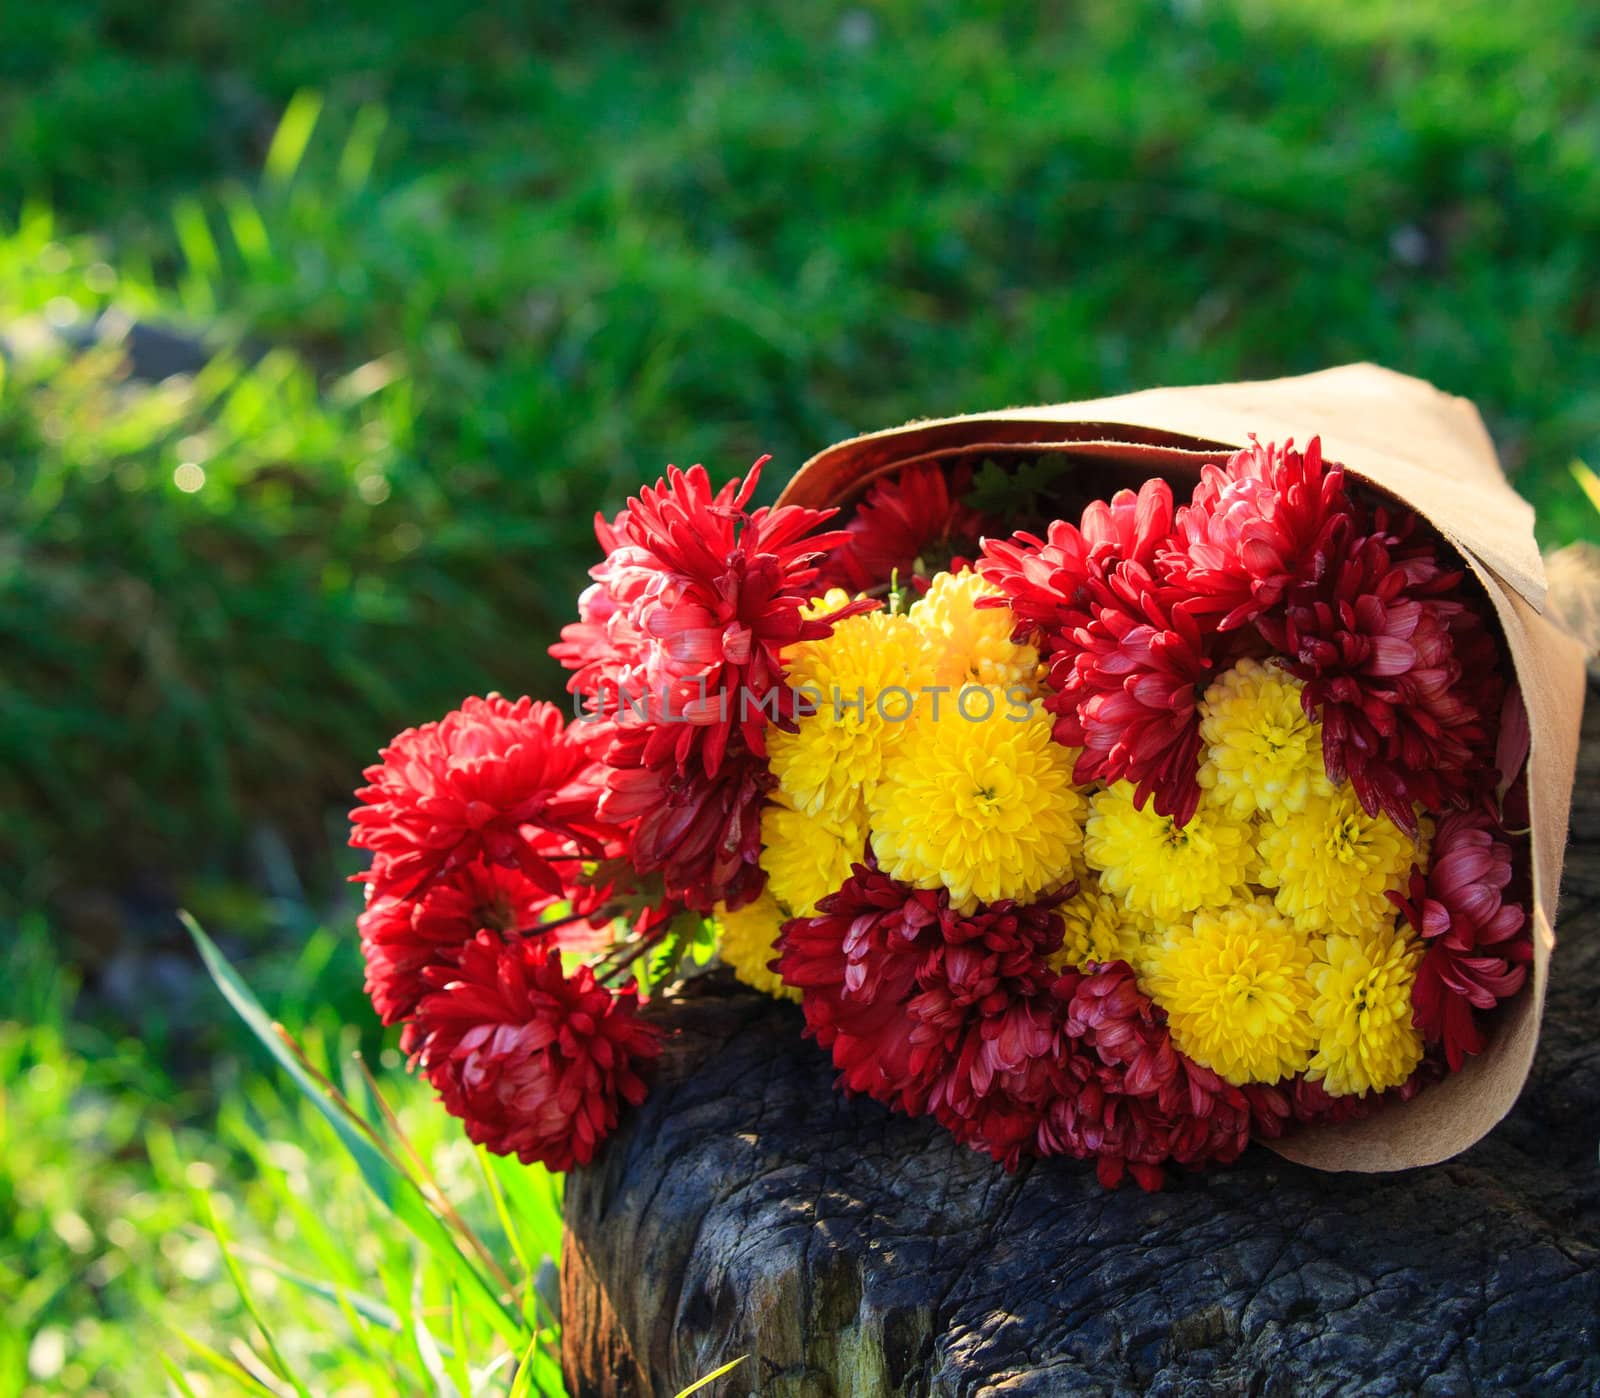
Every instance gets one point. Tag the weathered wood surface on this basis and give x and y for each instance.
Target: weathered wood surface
(749, 1209)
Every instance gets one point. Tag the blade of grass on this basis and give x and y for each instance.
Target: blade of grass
(428, 1347)
(1588, 481)
(508, 1224)
(368, 1307)
(249, 229)
(539, 1208)
(455, 1357)
(293, 135)
(222, 1364)
(355, 160)
(397, 1191)
(431, 1185)
(712, 1377)
(274, 1356)
(175, 1375)
(522, 1381)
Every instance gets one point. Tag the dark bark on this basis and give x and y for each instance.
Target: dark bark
(748, 1208)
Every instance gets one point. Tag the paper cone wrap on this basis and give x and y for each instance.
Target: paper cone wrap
(1424, 448)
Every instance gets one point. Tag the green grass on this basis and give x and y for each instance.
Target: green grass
(224, 1223)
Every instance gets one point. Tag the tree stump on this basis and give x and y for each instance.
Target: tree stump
(749, 1209)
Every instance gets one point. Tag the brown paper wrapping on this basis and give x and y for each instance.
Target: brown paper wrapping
(1425, 448)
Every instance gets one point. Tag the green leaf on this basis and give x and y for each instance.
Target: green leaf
(395, 1189)
(687, 934)
(1024, 494)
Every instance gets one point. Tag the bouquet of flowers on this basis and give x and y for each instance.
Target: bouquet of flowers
(1101, 791)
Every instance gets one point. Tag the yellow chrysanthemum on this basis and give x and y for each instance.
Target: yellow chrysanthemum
(1330, 865)
(973, 643)
(1098, 929)
(979, 801)
(807, 857)
(1362, 1012)
(1159, 869)
(830, 601)
(747, 935)
(1235, 988)
(1262, 754)
(862, 681)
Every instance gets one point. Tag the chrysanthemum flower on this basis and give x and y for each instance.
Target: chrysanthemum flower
(1260, 753)
(1236, 993)
(1049, 583)
(1125, 656)
(857, 688)
(1377, 652)
(979, 803)
(402, 937)
(491, 781)
(1476, 939)
(701, 835)
(982, 1003)
(696, 599)
(909, 525)
(929, 1009)
(1362, 1012)
(855, 963)
(1158, 868)
(1274, 1107)
(1268, 519)
(680, 646)
(747, 942)
(1133, 1101)
(1130, 696)
(1097, 929)
(974, 645)
(536, 1063)
(806, 858)
(1331, 866)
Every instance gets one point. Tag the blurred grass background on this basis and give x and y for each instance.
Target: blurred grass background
(327, 327)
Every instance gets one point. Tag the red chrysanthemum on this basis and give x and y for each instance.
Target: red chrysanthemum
(692, 607)
(1130, 698)
(1382, 673)
(1127, 658)
(1050, 583)
(501, 782)
(855, 963)
(536, 1063)
(1265, 521)
(921, 1007)
(909, 525)
(959, 1016)
(1478, 943)
(1143, 1103)
(1014, 1061)
(983, 1011)
(402, 937)
(679, 647)
(701, 835)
